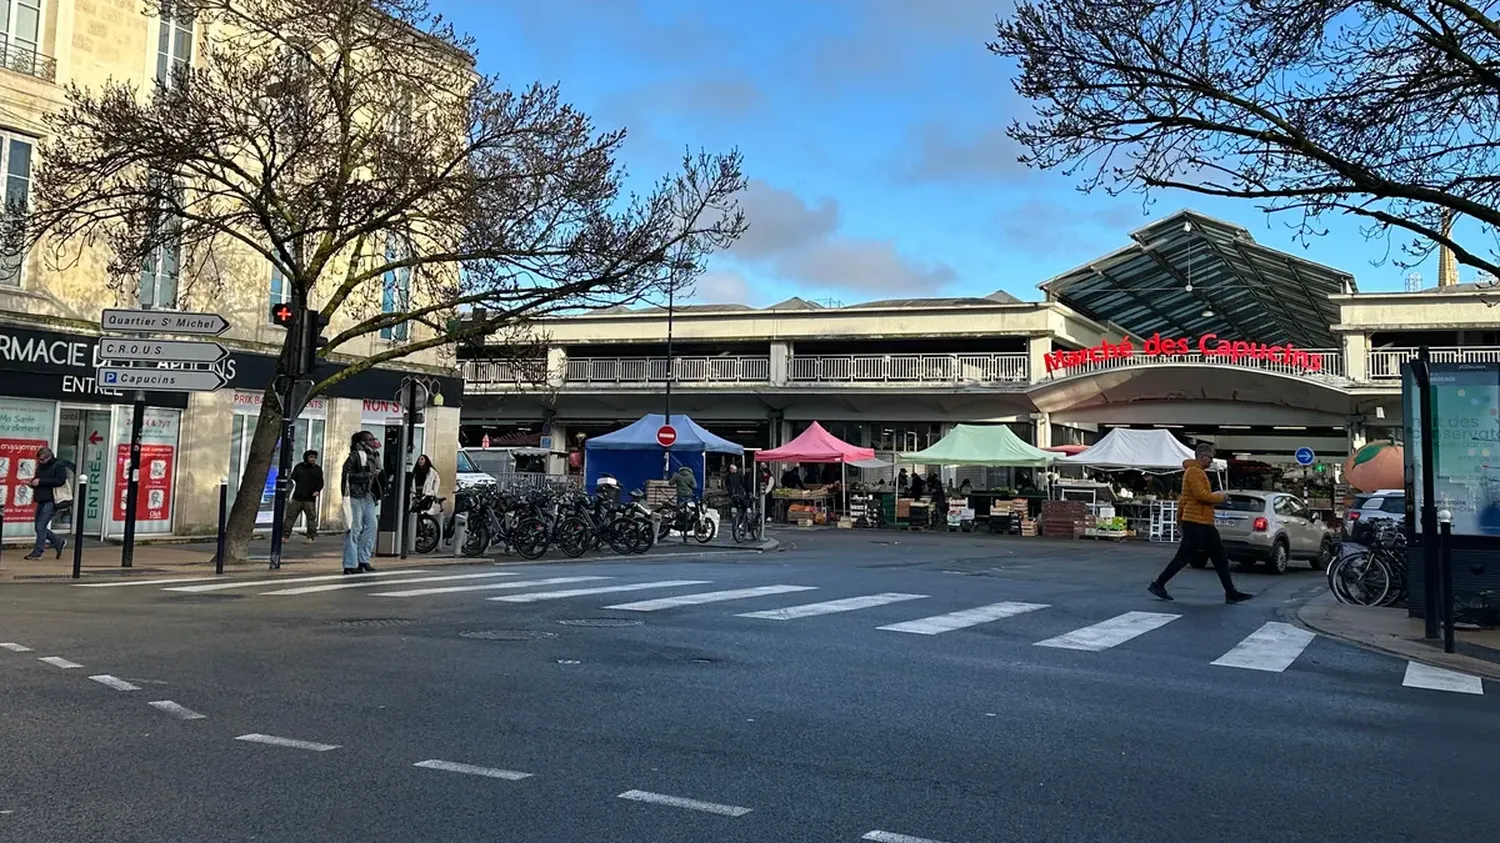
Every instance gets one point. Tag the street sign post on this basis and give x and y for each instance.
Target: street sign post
(163, 322)
(666, 436)
(161, 351)
(161, 380)
(1305, 456)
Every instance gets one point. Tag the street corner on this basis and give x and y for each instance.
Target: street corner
(1392, 632)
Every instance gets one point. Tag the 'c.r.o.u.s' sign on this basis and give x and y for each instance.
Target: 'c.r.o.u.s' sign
(1208, 345)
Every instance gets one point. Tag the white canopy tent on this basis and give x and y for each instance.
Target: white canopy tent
(1127, 449)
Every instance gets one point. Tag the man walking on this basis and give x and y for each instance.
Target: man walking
(363, 488)
(51, 474)
(307, 487)
(1199, 535)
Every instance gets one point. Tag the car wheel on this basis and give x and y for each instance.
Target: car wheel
(1280, 556)
(1325, 554)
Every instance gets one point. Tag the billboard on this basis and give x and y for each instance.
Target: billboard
(1464, 423)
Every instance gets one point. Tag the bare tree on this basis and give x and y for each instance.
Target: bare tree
(1381, 109)
(352, 145)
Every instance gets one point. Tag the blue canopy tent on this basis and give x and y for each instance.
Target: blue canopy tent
(633, 456)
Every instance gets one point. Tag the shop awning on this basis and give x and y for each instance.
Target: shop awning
(982, 445)
(1143, 450)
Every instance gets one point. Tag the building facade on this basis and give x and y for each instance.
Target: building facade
(49, 320)
(1193, 327)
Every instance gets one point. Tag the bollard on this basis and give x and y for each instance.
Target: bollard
(2, 527)
(79, 497)
(1445, 593)
(223, 520)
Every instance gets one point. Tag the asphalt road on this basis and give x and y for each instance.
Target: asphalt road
(453, 717)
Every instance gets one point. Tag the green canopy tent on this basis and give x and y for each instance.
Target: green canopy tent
(993, 446)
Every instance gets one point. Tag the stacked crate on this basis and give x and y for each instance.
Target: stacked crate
(1020, 513)
(1064, 519)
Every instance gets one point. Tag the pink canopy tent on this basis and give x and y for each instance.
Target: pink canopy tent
(816, 444)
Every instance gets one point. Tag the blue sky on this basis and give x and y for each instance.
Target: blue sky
(873, 135)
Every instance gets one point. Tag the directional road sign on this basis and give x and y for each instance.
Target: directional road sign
(163, 351)
(161, 380)
(666, 436)
(1305, 456)
(163, 322)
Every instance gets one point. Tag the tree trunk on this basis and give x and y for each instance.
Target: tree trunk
(241, 525)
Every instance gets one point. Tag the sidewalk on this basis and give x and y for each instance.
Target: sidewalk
(1391, 631)
(298, 557)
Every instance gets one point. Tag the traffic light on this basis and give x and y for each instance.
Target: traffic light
(282, 315)
(310, 339)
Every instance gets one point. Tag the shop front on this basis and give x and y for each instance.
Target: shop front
(311, 429)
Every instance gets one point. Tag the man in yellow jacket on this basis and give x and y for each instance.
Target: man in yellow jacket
(1195, 511)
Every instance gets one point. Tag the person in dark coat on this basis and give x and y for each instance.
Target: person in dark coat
(51, 474)
(307, 491)
(363, 486)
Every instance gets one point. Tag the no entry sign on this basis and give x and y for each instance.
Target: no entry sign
(666, 435)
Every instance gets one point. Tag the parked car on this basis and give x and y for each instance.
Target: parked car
(1273, 528)
(1382, 504)
(470, 475)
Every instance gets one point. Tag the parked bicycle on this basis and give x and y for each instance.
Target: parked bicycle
(1374, 573)
(746, 521)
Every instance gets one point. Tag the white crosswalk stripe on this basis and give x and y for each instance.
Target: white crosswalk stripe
(848, 604)
(1110, 633)
(1419, 675)
(539, 596)
(962, 620)
(709, 597)
(124, 583)
(340, 586)
(224, 586)
(1271, 648)
(509, 584)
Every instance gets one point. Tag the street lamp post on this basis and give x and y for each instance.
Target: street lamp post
(666, 452)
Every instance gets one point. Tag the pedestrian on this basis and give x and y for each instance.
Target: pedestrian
(51, 475)
(1195, 511)
(363, 487)
(307, 491)
(424, 483)
(686, 485)
(738, 489)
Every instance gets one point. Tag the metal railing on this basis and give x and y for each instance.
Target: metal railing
(911, 368)
(1322, 363)
(492, 375)
(22, 59)
(1384, 364)
(643, 370)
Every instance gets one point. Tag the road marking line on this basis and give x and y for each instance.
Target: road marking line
(272, 740)
(680, 802)
(849, 604)
(59, 661)
(966, 618)
(538, 596)
(890, 837)
(1110, 633)
(146, 582)
(14, 647)
(454, 589)
(470, 769)
(709, 597)
(221, 586)
(1271, 648)
(180, 712)
(314, 589)
(114, 682)
(1441, 679)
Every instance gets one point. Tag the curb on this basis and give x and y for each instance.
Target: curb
(1314, 617)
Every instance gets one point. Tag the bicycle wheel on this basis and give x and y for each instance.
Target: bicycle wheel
(530, 538)
(739, 526)
(705, 530)
(428, 532)
(476, 540)
(573, 536)
(643, 534)
(1364, 581)
(620, 535)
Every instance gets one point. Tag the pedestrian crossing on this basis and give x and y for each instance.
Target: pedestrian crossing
(1271, 647)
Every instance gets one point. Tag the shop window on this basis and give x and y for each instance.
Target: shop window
(25, 426)
(156, 495)
(17, 167)
(174, 42)
(395, 293)
(310, 435)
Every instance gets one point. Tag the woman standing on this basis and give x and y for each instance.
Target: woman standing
(424, 481)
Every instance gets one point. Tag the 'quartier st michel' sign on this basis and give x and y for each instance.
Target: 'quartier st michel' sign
(1209, 347)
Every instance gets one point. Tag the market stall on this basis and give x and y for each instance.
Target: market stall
(633, 454)
(814, 445)
(990, 446)
(1152, 451)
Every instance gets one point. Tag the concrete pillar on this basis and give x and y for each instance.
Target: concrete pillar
(557, 367)
(781, 363)
(1357, 357)
(1356, 433)
(1037, 349)
(1042, 422)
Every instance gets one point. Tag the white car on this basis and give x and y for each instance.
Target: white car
(469, 475)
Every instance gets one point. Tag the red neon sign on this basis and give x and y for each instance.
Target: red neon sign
(1208, 345)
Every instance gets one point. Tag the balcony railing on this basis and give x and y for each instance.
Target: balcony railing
(1321, 363)
(1385, 363)
(694, 370)
(497, 375)
(22, 59)
(911, 368)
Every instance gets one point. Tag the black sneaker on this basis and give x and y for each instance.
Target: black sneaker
(1159, 591)
(1237, 597)
(32, 556)
(366, 569)
(61, 543)
(348, 571)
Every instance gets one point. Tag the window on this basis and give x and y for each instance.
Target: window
(281, 292)
(1244, 503)
(395, 294)
(17, 168)
(159, 277)
(21, 38)
(174, 43)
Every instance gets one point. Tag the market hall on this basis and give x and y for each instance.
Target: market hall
(1262, 353)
